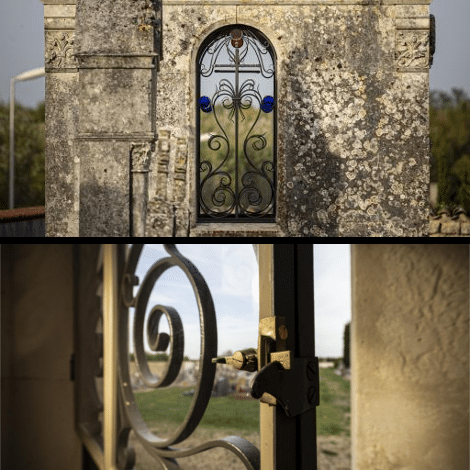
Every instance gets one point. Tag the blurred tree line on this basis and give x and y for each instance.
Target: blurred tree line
(29, 155)
(450, 137)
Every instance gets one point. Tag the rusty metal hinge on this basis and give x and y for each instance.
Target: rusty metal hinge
(291, 382)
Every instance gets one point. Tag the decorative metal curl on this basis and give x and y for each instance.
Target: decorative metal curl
(160, 448)
(158, 342)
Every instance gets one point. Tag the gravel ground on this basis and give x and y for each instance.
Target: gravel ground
(333, 452)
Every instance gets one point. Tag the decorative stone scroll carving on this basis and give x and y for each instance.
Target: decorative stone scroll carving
(412, 49)
(414, 44)
(140, 154)
(59, 49)
(150, 16)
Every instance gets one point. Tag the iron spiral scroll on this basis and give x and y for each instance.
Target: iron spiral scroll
(161, 449)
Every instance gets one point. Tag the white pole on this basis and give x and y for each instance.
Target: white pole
(29, 75)
(12, 143)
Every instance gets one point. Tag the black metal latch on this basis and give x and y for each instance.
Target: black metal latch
(293, 382)
(296, 389)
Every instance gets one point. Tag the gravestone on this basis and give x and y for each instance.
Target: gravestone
(221, 387)
(243, 387)
(347, 113)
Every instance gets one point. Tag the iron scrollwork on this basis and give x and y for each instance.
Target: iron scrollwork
(163, 449)
(237, 163)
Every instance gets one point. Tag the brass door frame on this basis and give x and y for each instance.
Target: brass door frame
(286, 289)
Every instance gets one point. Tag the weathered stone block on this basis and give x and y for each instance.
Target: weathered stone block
(434, 226)
(450, 228)
(465, 229)
(104, 188)
(115, 101)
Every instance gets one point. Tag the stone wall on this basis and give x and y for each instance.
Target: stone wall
(353, 146)
(352, 116)
(410, 357)
(100, 114)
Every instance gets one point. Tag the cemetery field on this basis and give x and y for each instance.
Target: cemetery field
(170, 406)
(165, 409)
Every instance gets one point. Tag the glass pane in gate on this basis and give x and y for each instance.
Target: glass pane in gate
(231, 273)
(236, 125)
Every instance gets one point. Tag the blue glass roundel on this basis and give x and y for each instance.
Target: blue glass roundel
(267, 104)
(205, 104)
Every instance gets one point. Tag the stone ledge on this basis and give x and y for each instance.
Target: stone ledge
(59, 11)
(259, 229)
(296, 2)
(117, 61)
(55, 23)
(149, 137)
(59, 2)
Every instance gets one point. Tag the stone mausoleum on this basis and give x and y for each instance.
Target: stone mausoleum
(237, 117)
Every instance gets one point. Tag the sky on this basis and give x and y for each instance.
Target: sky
(22, 46)
(231, 272)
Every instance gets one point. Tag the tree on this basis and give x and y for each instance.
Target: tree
(29, 155)
(450, 137)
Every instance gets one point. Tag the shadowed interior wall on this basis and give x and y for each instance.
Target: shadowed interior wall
(37, 342)
(410, 357)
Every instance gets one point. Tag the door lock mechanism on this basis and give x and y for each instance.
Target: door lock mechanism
(296, 389)
(293, 382)
(246, 359)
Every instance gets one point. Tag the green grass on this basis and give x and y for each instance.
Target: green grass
(334, 403)
(168, 405)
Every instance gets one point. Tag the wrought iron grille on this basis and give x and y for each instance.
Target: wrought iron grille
(162, 449)
(236, 122)
(287, 437)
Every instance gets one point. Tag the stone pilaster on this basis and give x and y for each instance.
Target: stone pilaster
(62, 163)
(160, 211)
(117, 61)
(179, 189)
(140, 158)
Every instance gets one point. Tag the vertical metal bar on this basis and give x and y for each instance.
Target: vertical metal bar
(267, 412)
(284, 285)
(237, 103)
(286, 289)
(305, 347)
(110, 336)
